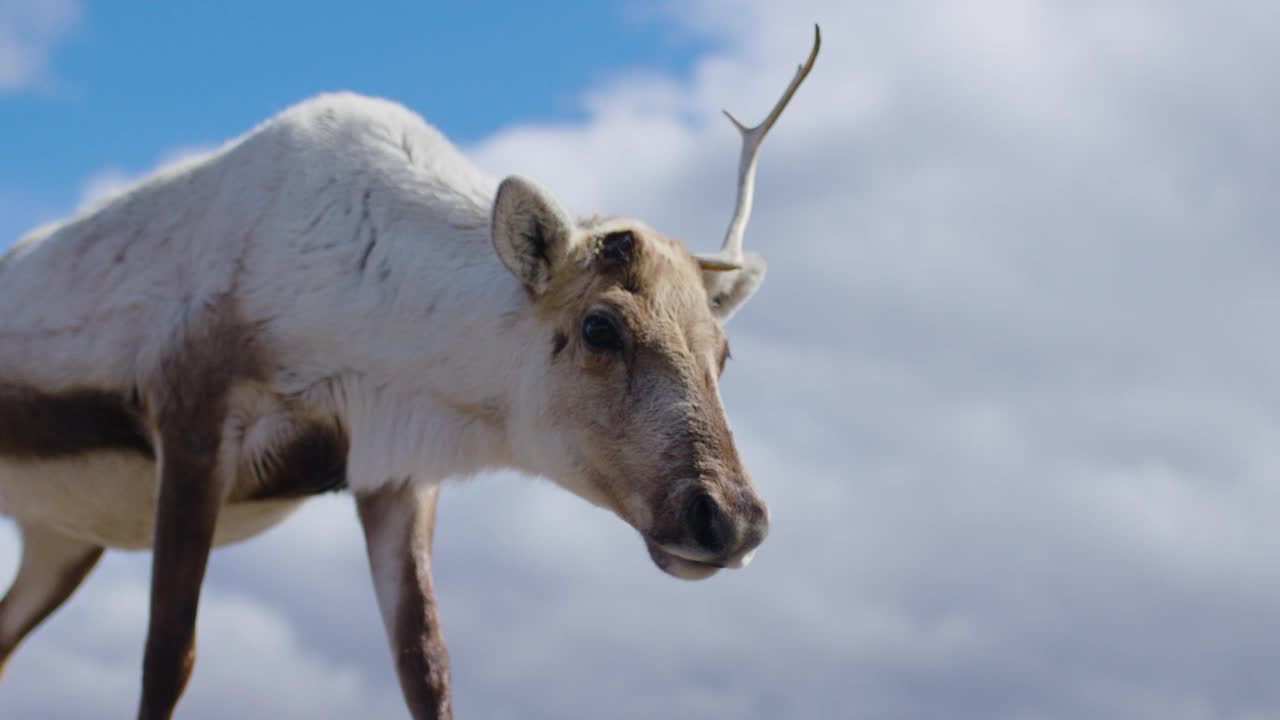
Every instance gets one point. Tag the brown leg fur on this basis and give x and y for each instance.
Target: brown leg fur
(190, 398)
(52, 567)
(399, 524)
(192, 491)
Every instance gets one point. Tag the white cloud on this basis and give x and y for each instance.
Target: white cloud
(109, 182)
(28, 33)
(104, 185)
(1007, 384)
(1009, 389)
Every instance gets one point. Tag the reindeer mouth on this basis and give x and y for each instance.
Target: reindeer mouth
(679, 566)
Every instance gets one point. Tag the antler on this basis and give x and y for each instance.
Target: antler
(730, 255)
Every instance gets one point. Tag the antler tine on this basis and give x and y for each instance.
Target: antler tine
(730, 255)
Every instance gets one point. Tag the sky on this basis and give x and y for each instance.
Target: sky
(1009, 387)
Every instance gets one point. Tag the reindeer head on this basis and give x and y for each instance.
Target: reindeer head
(621, 404)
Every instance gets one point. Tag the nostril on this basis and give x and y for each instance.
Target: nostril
(706, 523)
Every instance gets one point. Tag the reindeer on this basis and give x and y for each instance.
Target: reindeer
(339, 300)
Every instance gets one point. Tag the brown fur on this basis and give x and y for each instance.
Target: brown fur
(43, 552)
(313, 461)
(191, 397)
(36, 425)
(661, 391)
(185, 406)
(403, 518)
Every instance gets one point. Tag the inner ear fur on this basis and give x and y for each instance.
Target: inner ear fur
(532, 233)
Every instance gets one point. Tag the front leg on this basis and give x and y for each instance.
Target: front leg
(193, 487)
(398, 525)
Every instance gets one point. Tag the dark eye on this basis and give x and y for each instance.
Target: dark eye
(601, 333)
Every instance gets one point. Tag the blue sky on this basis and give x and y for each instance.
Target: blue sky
(1009, 387)
(132, 80)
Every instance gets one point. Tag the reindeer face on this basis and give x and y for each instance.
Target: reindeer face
(630, 405)
(629, 399)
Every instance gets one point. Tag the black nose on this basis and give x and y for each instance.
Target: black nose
(706, 523)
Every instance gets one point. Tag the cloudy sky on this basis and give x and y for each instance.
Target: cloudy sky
(1010, 387)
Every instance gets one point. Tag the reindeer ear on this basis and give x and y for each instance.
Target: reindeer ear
(531, 232)
(727, 290)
